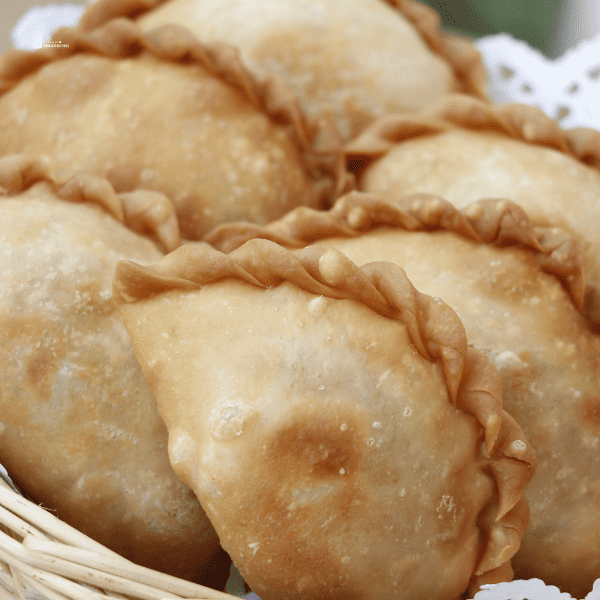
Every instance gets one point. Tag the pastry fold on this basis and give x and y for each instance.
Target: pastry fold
(162, 111)
(463, 149)
(79, 428)
(347, 65)
(517, 289)
(332, 420)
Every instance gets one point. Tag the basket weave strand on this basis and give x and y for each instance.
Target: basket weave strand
(42, 557)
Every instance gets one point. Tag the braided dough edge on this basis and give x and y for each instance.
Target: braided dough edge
(435, 330)
(461, 55)
(318, 140)
(519, 121)
(143, 211)
(487, 221)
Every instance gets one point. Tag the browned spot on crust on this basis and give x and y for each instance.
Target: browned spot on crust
(589, 413)
(39, 366)
(303, 488)
(317, 450)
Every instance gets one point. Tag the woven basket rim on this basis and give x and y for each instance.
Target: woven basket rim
(41, 554)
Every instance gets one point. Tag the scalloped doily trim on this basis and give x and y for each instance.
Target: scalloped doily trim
(529, 589)
(566, 88)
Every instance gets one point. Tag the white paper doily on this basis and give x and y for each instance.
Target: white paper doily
(567, 88)
(532, 589)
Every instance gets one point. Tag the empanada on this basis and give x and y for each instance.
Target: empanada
(339, 432)
(464, 150)
(517, 289)
(350, 62)
(161, 111)
(79, 427)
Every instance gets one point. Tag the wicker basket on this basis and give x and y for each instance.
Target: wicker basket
(42, 558)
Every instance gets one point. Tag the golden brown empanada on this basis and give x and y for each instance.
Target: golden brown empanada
(161, 111)
(463, 150)
(79, 426)
(340, 434)
(350, 62)
(487, 262)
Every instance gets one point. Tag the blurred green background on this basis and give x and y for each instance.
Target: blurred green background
(531, 20)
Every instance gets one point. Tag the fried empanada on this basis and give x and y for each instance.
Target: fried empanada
(517, 289)
(350, 62)
(340, 434)
(79, 427)
(161, 111)
(464, 150)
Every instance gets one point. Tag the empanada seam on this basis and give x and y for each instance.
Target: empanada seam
(319, 142)
(18, 172)
(484, 221)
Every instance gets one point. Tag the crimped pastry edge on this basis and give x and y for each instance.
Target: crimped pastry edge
(460, 111)
(435, 330)
(462, 56)
(320, 143)
(490, 221)
(143, 211)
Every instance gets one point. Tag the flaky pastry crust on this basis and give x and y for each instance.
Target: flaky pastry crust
(497, 222)
(143, 211)
(486, 261)
(434, 331)
(352, 109)
(523, 155)
(313, 143)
